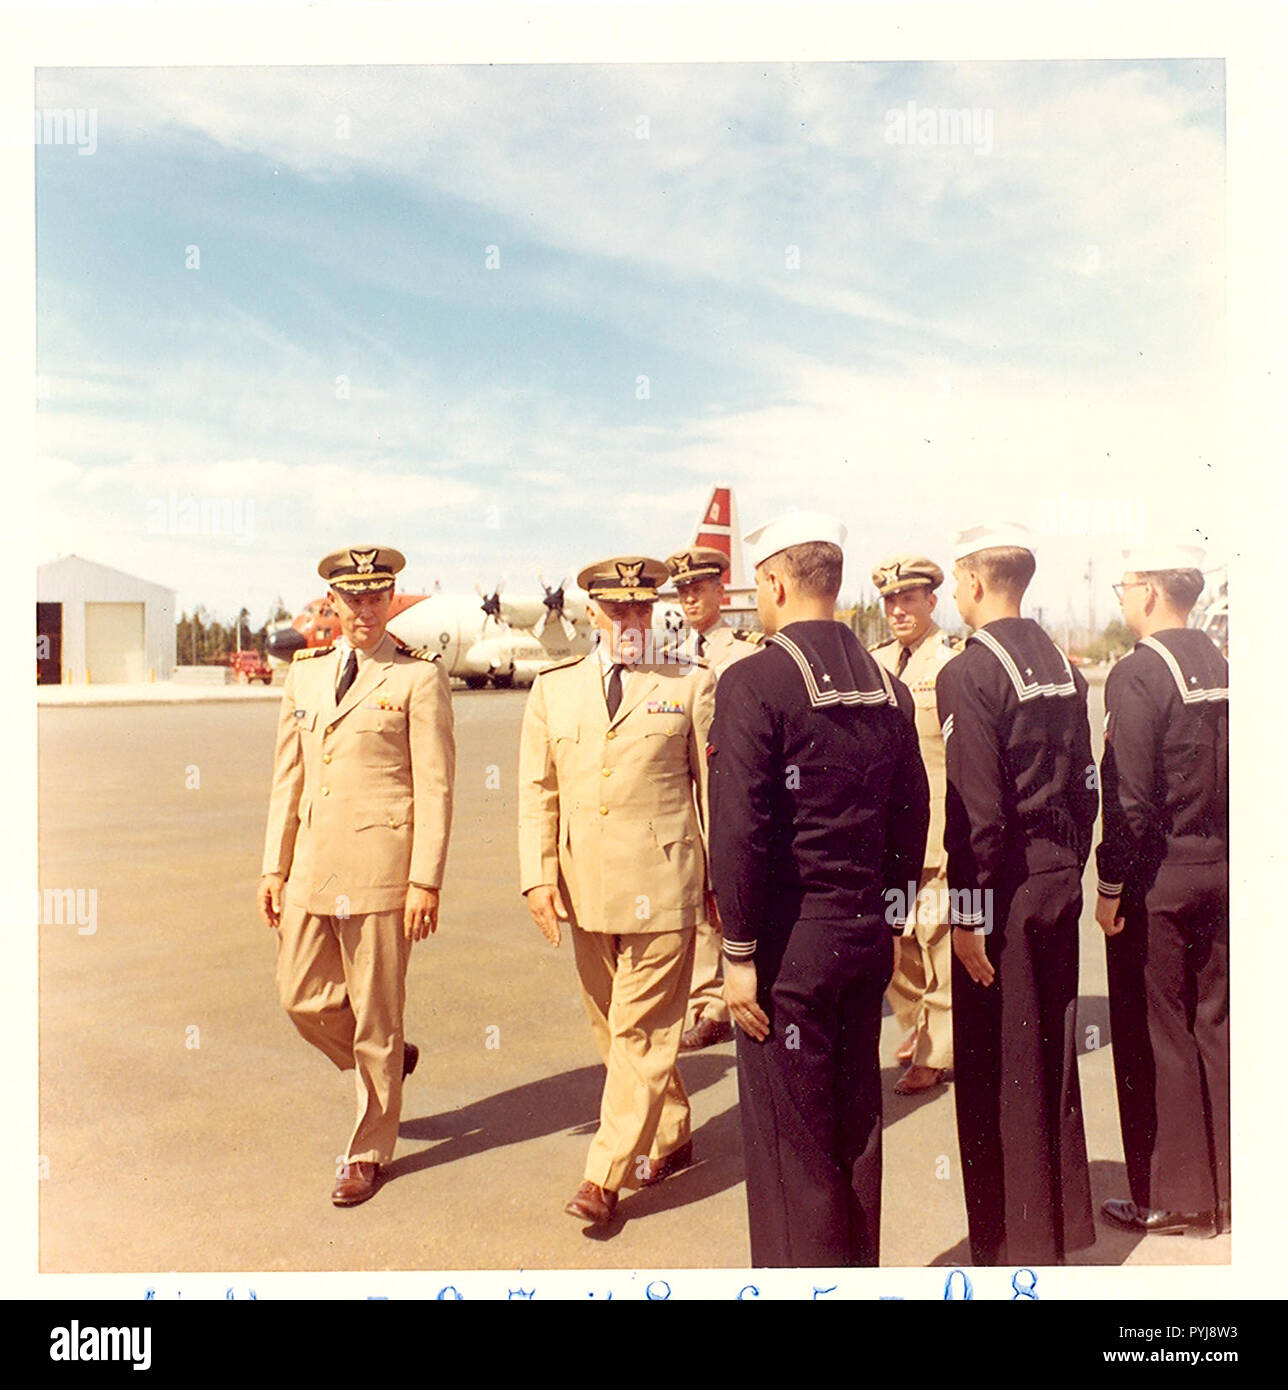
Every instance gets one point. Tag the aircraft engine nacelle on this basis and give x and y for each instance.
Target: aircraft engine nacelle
(522, 612)
(487, 657)
(435, 623)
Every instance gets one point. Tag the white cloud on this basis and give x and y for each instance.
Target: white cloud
(739, 163)
(953, 279)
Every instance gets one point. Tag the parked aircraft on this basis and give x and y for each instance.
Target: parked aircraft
(499, 640)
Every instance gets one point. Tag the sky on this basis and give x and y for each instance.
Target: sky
(512, 319)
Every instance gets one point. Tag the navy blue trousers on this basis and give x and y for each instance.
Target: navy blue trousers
(1019, 1105)
(810, 1095)
(1169, 1011)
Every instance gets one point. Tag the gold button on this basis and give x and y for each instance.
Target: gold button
(330, 728)
(326, 791)
(393, 822)
(603, 810)
(608, 772)
(326, 757)
(612, 733)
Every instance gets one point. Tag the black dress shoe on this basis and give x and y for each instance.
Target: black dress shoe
(411, 1055)
(1150, 1221)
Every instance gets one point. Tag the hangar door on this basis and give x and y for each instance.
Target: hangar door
(49, 643)
(114, 643)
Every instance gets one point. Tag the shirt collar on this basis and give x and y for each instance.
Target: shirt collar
(343, 646)
(923, 639)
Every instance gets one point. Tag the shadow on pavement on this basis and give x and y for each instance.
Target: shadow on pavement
(1112, 1246)
(717, 1152)
(895, 1107)
(552, 1105)
(1093, 1012)
(955, 1257)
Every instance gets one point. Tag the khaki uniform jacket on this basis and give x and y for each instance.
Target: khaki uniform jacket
(362, 791)
(609, 810)
(723, 645)
(929, 657)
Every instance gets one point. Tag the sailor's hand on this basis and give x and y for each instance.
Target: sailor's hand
(1108, 918)
(740, 995)
(968, 946)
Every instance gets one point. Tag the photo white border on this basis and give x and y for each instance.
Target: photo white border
(1248, 37)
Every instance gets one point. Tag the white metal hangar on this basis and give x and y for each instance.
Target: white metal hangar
(99, 625)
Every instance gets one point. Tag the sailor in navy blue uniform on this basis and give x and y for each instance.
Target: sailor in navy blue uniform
(1021, 804)
(819, 808)
(1163, 902)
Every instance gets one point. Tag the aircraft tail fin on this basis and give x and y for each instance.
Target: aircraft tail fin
(718, 528)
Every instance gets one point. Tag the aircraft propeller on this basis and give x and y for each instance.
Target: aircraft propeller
(491, 602)
(554, 602)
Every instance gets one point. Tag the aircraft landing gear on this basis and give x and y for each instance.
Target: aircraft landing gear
(475, 682)
(502, 680)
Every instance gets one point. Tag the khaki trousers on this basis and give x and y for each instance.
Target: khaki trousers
(635, 988)
(920, 992)
(706, 999)
(342, 980)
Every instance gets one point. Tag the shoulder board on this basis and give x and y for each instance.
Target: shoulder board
(881, 646)
(420, 653)
(305, 653)
(560, 665)
(757, 639)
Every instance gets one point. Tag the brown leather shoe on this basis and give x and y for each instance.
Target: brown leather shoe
(659, 1169)
(706, 1032)
(411, 1055)
(918, 1078)
(357, 1182)
(593, 1203)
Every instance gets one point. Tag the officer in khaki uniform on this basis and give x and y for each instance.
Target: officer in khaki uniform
(698, 575)
(612, 784)
(357, 835)
(920, 993)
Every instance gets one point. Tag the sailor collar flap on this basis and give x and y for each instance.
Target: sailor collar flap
(1187, 681)
(836, 672)
(1041, 673)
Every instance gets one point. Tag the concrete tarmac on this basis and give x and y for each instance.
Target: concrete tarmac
(186, 1126)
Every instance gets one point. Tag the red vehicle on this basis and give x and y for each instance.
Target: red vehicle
(249, 666)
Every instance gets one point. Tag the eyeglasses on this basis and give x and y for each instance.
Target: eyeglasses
(1131, 584)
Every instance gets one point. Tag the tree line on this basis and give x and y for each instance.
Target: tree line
(203, 639)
